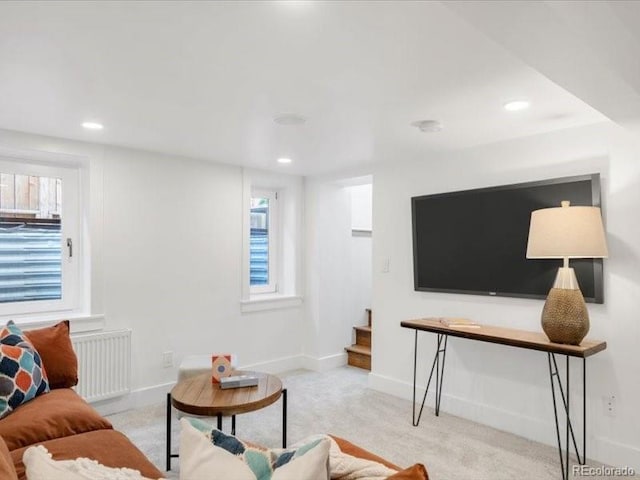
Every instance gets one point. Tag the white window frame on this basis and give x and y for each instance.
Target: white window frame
(70, 229)
(272, 286)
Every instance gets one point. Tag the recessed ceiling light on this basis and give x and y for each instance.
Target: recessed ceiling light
(289, 119)
(516, 105)
(284, 160)
(92, 125)
(427, 125)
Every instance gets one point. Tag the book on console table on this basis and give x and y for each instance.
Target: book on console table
(458, 322)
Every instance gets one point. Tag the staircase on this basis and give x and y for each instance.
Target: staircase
(360, 353)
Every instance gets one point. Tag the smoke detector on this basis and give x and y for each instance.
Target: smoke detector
(427, 125)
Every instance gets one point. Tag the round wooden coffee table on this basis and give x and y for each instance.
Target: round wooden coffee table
(198, 395)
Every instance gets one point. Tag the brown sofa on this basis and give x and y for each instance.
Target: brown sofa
(61, 420)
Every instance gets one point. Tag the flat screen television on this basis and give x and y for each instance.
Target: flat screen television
(475, 241)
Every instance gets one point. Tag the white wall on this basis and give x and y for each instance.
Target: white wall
(166, 236)
(502, 386)
(173, 264)
(328, 267)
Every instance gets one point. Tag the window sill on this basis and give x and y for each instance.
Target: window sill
(267, 301)
(78, 323)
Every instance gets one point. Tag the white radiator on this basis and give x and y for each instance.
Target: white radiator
(104, 364)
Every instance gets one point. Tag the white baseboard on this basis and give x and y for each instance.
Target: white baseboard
(616, 453)
(323, 364)
(599, 448)
(278, 365)
(152, 395)
(136, 399)
(461, 407)
(295, 362)
(307, 362)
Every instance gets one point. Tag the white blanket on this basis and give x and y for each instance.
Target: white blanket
(40, 466)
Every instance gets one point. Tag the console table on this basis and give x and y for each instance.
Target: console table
(514, 338)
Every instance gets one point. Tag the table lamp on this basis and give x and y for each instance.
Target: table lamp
(566, 232)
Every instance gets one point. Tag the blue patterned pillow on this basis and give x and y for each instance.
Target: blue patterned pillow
(22, 376)
(206, 452)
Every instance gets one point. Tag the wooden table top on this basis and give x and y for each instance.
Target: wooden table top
(507, 336)
(198, 395)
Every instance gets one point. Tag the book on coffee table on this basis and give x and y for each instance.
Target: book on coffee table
(458, 322)
(239, 381)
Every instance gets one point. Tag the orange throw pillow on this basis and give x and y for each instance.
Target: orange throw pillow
(55, 349)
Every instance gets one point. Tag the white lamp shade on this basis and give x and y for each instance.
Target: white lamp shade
(567, 232)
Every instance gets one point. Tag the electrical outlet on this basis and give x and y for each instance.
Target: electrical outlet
(610, 406)
(167, 359)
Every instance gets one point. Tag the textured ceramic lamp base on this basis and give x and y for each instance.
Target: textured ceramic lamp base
(565, 318)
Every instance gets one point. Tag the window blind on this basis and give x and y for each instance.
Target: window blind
(30, 259)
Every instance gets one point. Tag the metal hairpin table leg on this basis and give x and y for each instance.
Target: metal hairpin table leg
(554, 373)
(169, 454)
(441, 350)
(168, 432)
(284, 418)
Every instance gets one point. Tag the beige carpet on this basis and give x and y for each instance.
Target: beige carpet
(338, 402)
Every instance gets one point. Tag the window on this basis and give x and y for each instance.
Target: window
(262, 242)
(272, 225)
(38, 238)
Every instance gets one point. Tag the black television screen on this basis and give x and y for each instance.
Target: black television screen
(475, 241)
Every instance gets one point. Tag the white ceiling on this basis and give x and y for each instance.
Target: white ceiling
(205, 79)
